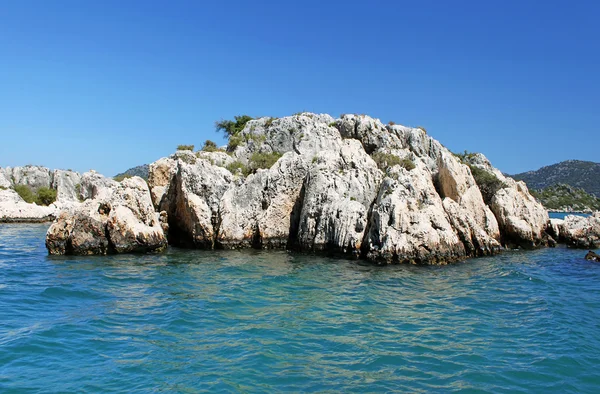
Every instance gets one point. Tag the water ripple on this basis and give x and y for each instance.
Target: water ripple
(195, 321)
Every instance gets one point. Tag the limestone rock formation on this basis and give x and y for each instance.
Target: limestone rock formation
(522, 220)
(352, 185)
(120, 219)
(14, 209)
(581, 232)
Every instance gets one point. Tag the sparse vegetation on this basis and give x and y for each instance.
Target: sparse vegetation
(237, 165)
(234, 142)
(78, 191)
(388, 160)
(332, 124)
(269, 122)
(422, 128)
(488, 183)
(121, 177)
(185, 147)
(257, 160)
(263, 160)
(563, 197)
(43, 196)
(391, 123)
(210, 146)
(464, 157)
(233, 127)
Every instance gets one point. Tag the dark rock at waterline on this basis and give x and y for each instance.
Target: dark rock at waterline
(591, 256)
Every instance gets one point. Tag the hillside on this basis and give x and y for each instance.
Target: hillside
(141, 171)
(575, 173)
(563, 197)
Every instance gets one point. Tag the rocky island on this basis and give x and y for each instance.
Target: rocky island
(309, 182)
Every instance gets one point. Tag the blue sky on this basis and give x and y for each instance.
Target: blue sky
(112, 84)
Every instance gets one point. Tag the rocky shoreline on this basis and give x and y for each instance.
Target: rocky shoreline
(309, 182)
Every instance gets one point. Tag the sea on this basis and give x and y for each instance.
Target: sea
(191, 321)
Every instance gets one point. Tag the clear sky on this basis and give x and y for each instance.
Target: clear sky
(112, 84)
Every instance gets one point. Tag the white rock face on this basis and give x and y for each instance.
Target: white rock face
(14, 209)
(522, 220)
(65, 183)
(581, 232)
(192, 201)
(120, 219)
(33, 176)
(339, 190)
(409, 222)
(160, 176)
(258, 211)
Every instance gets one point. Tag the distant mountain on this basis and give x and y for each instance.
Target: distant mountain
(141, 171)
(566, 198)
(575, 173)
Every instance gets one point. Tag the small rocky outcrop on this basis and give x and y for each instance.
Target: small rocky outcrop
(14, 209)
(581, 232)
(591, 256)
(120, 219)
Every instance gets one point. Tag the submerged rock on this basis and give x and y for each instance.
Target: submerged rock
(592, 256)
(121, 219)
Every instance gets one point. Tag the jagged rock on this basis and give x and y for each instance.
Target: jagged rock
(220, 159)
(409, 223)
(192, 201)
(591, 256)
(306, 134)
(96, 186)
(65, 183)
(5, 182)
(259, 212)
(160, 176)
(121, 219)
(581, 232)
(33, 176)
(522, 220)
(339, 190)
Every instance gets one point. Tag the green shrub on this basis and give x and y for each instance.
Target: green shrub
(263, 160)
(233, 127)
(25, 192)
(464, 157)
(257, 160)
(238, 165)
(3, 188)
(185, 147)
(45, 196)
(332, 124)
(234, 142)
(487, 182)
(210, 146)
(387, 160)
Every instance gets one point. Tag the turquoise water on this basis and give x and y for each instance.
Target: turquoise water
(561, 215)
(193, 321)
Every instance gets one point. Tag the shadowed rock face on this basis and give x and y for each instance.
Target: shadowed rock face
(331, 191)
